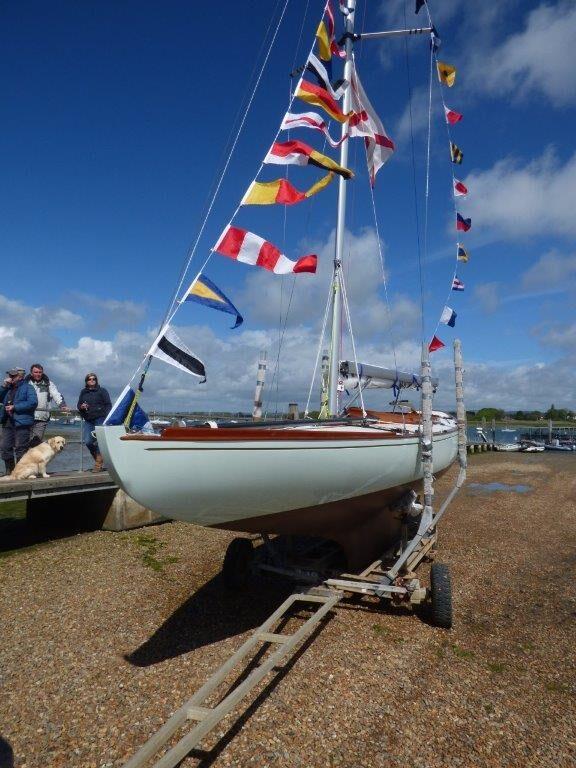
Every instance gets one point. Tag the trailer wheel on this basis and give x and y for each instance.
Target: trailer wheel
(237, 563)
(441, 596)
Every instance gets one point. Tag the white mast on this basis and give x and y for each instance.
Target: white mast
(348, 8)
(340, 226)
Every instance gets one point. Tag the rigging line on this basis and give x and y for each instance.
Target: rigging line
(296, 52)
(435, 57)
(299, 41)
(293, 97)
(454, 203)
(385, 282)
(280, 309)
(173, 306)
(273, 141)
(244, 99)
(416, 216)
(228, 159)
(347, 313)
(320, 345)
(276, 365)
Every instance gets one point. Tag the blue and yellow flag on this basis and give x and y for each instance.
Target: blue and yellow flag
(205, 292)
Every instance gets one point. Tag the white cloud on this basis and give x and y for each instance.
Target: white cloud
(232, 361)
(552, 270)
(521, 387)
(110, 313)
(560, 336)
(519, 201)
(487, 296)
(306, 297)
(540, 59)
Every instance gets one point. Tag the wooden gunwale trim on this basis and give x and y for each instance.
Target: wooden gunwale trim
(199, 434)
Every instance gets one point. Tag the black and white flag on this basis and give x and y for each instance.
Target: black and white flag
(169, 348)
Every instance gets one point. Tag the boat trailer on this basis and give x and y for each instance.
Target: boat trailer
(391, 578)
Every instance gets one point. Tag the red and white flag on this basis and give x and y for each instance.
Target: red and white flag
(452, 117)
(309, 120)
(460, 189)
(249, 248)
(365, 122)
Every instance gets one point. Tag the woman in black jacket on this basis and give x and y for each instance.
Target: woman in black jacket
(93, 405)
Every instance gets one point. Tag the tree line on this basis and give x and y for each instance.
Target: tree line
(556, 414)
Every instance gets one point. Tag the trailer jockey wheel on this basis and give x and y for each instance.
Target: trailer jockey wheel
(236, 568)
(441, 596)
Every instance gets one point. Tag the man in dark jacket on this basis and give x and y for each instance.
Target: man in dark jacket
(93, 405)
(19, 401)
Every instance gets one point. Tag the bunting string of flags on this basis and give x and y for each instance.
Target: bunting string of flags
(249, 248)
(362, 122)
(447, 77)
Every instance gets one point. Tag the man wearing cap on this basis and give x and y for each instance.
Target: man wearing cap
(19, 402)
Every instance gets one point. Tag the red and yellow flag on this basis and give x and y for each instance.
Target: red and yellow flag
(281, 191)
(319, 97)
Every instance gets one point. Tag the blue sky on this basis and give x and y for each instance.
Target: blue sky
(115, 122)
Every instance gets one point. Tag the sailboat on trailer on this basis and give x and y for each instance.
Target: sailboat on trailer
(338, 476)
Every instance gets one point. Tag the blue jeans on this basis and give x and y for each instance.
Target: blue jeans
(89, 439)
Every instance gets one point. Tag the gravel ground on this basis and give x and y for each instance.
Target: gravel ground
(103, 635)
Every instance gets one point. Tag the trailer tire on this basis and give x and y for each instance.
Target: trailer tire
(236, 568)
(441, 596)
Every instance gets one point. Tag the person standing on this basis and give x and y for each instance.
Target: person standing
(19, 401)
(93, 405)
(47, 392)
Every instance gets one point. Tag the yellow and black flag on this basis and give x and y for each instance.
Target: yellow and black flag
(456, 154)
